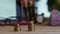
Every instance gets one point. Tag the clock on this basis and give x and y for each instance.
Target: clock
(40, 19)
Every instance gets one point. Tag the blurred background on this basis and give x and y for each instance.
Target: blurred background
(40, 9)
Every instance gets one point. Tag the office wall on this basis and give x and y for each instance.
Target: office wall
(42, 7)
(7, 8)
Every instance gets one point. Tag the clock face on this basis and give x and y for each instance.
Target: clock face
(39, 19)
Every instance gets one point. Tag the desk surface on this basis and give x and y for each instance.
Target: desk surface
(38, 30)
